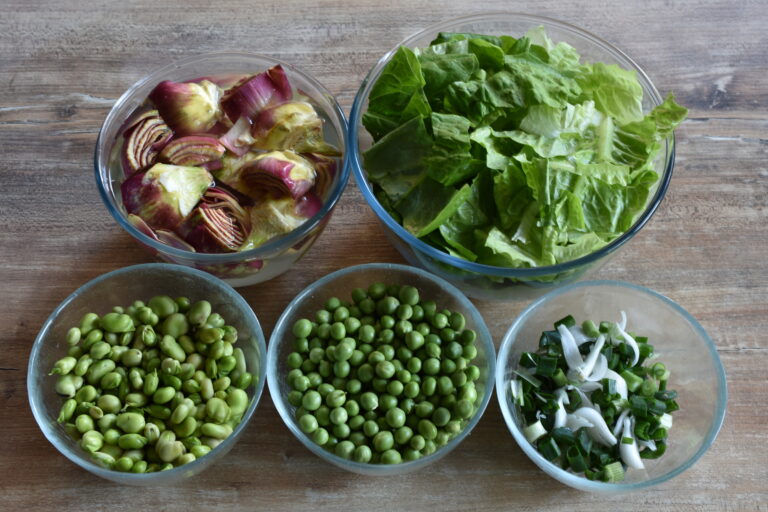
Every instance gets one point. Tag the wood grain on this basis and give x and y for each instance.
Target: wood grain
(62, 65)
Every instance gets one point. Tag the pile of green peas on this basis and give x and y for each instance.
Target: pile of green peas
(384, 379)
(152, 386)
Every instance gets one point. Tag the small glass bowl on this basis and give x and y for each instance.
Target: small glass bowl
(121, 287)
(681, 344)
(340, 284)
(239, 268)
(486, 281)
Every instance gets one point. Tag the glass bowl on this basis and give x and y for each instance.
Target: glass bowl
(486, 281)
(240, 268)
(340, 284)
(681, 344)
(122, 287)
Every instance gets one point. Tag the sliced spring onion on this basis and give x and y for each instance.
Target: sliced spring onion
(534, 431)
(665, 421)
(621, 384)
(629, 453)
(620, 422)
(516, 389)
(570, 349)
(575, 422)
(524, 374)
(599, 431)
(629, 339)
(632, 380)
(613, 472)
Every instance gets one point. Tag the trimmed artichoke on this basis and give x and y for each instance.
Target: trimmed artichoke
(254, 93)
(165, 194)
(271, 218)
(144, 139)
(188, 107)
(277, 173)
(294, 125)
(218, 224)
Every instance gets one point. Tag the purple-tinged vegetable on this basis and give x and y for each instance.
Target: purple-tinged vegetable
(192, 150)
(254, 93)
(308, 205)
(165, 194)
(218, 224)
(271, 218)
(161, 235)
(144, 139)
(238, 138)
(325, 172)
(171, 238)
(294, 125)
(277, 173)
(188, 108)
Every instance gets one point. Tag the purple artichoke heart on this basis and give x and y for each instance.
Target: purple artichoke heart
(144, 139)
(254, 93)
(277, 173)
(165, 194)
(294, 125)
(274, 217)
(218, 224)
(192, 150)
(188, 108)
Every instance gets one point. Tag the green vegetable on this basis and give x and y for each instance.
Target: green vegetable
(511, 152)
(371, 389)
(592, 404)
(132, 404)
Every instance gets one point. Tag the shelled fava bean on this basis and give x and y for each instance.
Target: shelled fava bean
(384, 379)
(152, 386)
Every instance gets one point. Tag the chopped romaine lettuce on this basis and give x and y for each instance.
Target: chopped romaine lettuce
(512, 152)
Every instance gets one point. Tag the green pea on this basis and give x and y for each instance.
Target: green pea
(343, 350)
(441, 417)
(338, 331)
(339, 415)
(395, 388)
(383, 441)
(320, 436)
(146, 335)
(308, 423)
(464, 409)
(311, 400)
(385, 370)
(139, 466)
(395, 417)
(335, 398)
(414, 365)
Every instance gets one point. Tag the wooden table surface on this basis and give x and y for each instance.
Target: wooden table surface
(63, 64)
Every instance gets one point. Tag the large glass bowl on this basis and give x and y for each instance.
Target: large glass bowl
(239, 268)
(340, 284)
(486, 281)
(681, 344)
(121, 287)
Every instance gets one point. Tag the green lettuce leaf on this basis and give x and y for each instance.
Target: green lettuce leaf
(428, 205)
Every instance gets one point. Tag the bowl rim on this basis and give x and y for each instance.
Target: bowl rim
(265, 250)
(432, 252)
(572, 479)
(48, 425)
(483, 336)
